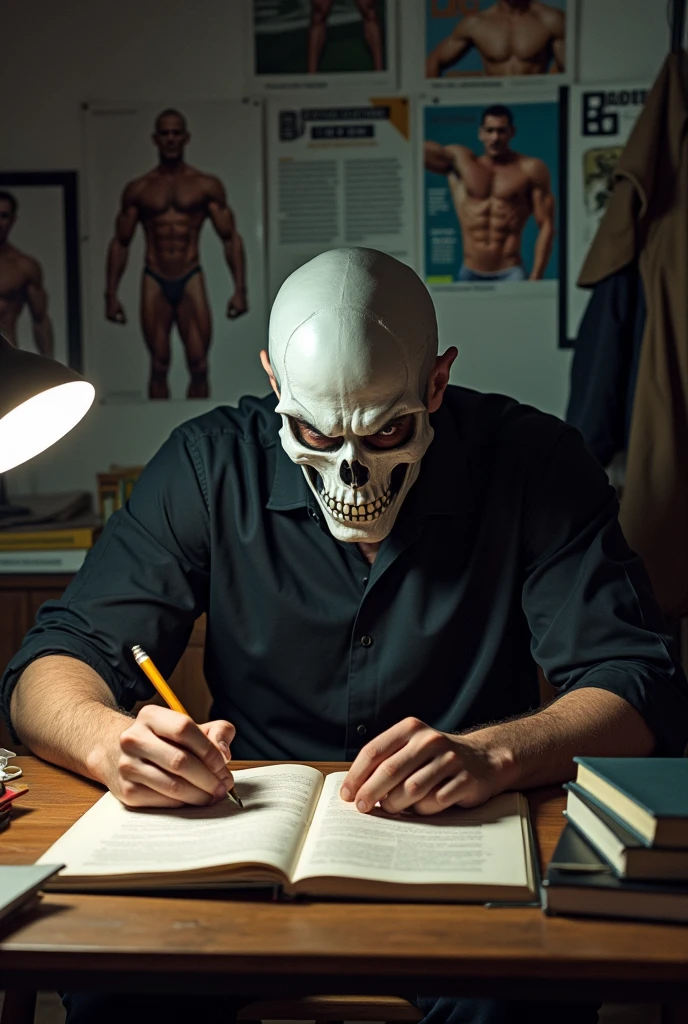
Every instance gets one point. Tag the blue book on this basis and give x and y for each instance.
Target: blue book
(578, 881)
(648, 795)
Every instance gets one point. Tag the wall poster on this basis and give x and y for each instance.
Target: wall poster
(490, 193)
(510, 43)
(40, 295)
(315, 44)
(600, 119)
(339, 174)
(175, 251)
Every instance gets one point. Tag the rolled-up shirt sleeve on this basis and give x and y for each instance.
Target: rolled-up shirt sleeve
(592, 614)
(144, 582)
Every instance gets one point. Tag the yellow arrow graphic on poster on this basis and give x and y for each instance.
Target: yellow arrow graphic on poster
(398, 112)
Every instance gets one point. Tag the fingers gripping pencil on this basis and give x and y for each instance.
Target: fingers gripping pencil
(146, 665)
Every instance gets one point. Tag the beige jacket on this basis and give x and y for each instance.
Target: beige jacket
(647, 219)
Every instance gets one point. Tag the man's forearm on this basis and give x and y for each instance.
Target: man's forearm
(538, 750)
(234, 254)
(65, 713)
(116, 264)
(543, 250)
(43, 336)
(433, 68)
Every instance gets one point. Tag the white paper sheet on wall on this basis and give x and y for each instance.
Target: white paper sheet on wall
(225, 147)
(600, 120)
(339, 174)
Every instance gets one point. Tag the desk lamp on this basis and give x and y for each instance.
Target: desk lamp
(40, 401)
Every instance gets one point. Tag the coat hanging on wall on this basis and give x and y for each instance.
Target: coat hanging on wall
(647, 223)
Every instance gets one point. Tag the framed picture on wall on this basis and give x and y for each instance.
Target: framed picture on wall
(40, 304)
(315, 44)
(508, 43)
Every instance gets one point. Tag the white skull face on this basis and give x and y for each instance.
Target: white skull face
(353, 338)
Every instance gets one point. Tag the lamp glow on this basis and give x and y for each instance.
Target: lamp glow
(40, 401)
(41, 421)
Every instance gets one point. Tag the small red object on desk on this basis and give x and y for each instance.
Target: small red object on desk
(7, 795)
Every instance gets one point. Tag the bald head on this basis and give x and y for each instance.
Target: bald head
(353, 321)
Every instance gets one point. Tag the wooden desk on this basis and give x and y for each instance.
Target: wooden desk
(253, 946)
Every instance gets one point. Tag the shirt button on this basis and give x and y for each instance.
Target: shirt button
(361, 730)
(314, 515)
(367, 641)
(364, 581)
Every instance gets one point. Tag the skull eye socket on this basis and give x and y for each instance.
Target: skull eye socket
(393, 435)
(309, 437)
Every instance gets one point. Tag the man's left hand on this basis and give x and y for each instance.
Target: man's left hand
(412, 765)
(237, 305)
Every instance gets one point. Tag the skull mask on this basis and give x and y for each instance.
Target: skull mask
(353, 339)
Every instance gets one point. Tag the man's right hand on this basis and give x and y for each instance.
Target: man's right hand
(114, 310)
(163, 759)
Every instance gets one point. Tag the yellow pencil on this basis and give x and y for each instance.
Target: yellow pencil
(146, 664)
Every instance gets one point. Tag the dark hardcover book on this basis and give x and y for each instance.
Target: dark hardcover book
(649, 795)
(580, 882)
(19, 884)
(624, 852)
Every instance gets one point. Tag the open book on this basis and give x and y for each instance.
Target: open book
(297, 833)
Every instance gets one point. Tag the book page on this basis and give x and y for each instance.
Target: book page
(484, 845)
(113, 840)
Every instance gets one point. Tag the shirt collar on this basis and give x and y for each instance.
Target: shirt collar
(289, 487)
(442, 487)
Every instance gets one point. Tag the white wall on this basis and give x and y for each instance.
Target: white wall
(60, 53)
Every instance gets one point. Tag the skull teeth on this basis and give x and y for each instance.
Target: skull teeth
(363, 512)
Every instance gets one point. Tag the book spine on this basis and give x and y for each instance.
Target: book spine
(47, 539)
(42, 561)
(583, 792)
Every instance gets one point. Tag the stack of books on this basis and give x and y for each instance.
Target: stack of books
(624, 850)
(115, 488)
(53, 533)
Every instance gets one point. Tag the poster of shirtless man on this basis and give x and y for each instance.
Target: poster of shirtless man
(21, 285)
(174, 259)
(171, 202)
(491, 194)
(297, 37)
(497, 38)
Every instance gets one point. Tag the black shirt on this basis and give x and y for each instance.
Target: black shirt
(506, 551)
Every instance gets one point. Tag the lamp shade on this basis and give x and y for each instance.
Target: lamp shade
(40, 401)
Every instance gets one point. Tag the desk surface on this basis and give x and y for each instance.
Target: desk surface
(256, 946)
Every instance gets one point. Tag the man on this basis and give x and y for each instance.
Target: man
(513, 37)
(172, 202)
(494, 194)
(317, 32)
(376, 562)
(21, 284)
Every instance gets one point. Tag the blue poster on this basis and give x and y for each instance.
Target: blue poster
(497, 38)
(491, 193)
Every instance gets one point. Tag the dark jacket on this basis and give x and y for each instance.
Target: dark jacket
(646, 222)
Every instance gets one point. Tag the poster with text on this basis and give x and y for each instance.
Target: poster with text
(339, 175)
(317, 44)
(511, 43)
(490, 195)
(175, 250)
(600, 119)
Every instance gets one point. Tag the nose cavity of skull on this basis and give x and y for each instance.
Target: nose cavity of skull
(354, 474)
